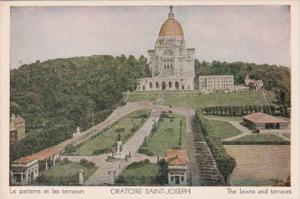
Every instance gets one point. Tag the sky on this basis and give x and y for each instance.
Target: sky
(256, 33)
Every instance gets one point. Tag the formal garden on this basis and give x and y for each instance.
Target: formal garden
(66, 173)
(105, 141)
(169, 132)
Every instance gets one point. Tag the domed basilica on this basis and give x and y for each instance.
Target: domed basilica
(171, 63)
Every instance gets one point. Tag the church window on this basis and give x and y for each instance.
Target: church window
(143, 87)
(177, 85)
(170, 84)
(157, 85)
(150, 84)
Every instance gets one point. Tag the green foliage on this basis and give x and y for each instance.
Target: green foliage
(279, 182)
(138, 176)
(102, 151)
(225, 162)
(64, 174)
(275, 78)
(260, 139)
(245, 110)
(169, 132)
(162, 176)
(138, 164)
(86, 163)
(58, 95)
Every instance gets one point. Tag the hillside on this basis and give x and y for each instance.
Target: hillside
(58, 95)
(275, 78)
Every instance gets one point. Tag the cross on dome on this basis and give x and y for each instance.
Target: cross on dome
(171, 15)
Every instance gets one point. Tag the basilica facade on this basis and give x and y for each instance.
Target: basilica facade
(170, 62)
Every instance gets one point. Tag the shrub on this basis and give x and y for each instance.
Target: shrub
(86, 163)
(145, 151)
(102, 151)
(65, 160)
(70, 149)
(169, 130)
(138, 164)
(119, 130)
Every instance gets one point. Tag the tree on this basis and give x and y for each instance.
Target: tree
(162, 176)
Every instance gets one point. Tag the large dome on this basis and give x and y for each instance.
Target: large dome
(171, 27)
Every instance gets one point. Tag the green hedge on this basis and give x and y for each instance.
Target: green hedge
(225, 162)
(242, 142)
(240, 110)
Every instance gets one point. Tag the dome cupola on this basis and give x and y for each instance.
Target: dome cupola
(171, 27)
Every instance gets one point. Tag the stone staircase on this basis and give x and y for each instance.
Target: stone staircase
(204, 159)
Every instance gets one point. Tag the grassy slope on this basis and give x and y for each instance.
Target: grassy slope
(258, 139)
(66, 173)
(108, 138)
(258, 164)
(167, 135)
(142, 96)
(222, 129)
(194, 100)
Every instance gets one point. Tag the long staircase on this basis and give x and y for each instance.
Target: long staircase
(204, 163)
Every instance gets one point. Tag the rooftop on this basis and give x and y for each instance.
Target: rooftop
(263, 118)
(177, 157)
(41, 155)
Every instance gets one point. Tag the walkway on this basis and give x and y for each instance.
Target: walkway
(104, 174)
(113, 117)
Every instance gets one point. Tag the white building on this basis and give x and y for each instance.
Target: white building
(177, 166)
(24, 172)
(170, 62)
(257, 84)
(212, 83)
(26, 169)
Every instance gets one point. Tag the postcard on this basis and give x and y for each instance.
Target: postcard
(154, 99)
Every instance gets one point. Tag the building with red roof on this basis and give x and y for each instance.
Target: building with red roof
(177, 160)
(261, 121)
(26, 169)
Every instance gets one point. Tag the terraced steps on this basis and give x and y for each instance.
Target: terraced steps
(204, 159)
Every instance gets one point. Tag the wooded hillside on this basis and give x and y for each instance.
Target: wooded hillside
(56, 96)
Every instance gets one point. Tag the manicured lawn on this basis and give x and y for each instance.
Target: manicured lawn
(139, 176)
(225, 118)
(258, 139)
(105, 141)
(64, 174)
(142, 96)
(221, 129)
(195, 100)
(170, 133)
(258, 164)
